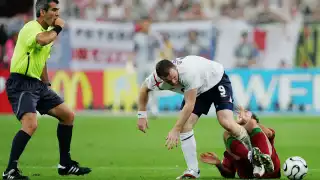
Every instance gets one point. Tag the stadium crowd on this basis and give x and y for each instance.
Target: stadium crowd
(173, 10)
(254, 11)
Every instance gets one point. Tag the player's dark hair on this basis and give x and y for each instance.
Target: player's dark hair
(163, 67)
(44, 4)
(255, 117)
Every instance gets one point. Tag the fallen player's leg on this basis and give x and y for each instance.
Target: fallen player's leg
(241, 152)
(263, 148)
(235, 146)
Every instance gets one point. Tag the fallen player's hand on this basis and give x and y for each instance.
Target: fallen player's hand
(210, 158)
(59, 22)
(142, 124)
(172, 139)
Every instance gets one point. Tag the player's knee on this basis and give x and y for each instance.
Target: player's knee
(69, 117)
(189, 125)
(29, 123)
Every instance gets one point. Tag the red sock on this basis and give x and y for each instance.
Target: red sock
(260, 140)
(237, 148)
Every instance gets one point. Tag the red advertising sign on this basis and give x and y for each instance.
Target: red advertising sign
(5, 107)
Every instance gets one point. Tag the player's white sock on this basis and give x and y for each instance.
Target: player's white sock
(245, 138)
(189, 149)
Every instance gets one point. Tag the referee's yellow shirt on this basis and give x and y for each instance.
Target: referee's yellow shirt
(29, 58)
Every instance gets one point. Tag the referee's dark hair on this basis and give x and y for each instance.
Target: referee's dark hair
(43, 4)
(163, 67)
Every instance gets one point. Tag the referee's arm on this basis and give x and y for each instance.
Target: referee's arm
(44, 75)
(45, 38)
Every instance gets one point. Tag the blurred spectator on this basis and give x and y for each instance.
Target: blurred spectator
(252, 9)
(3, 40)
(193, 46)
(195, 13)
(16, 23)
(9, 46)
(92, 11)
(118, 11)
(105, 13)
(273, 11)
(183, 8)
(245, 52)
(283, 64)
(304, 8)
(167, 51)
(162, 9)
(225, 10)
(316, 12)
(138, 10)
(72, 9)
(211, 10)
(235, 10)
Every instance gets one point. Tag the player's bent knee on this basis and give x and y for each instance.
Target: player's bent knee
(191, 122)
(63, 113)
(69, 118)
(29, 123)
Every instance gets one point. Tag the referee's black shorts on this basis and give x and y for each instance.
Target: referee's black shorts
(28, 95)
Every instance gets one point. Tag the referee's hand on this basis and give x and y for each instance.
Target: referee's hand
(59, 22)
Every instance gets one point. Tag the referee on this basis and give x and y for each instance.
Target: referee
(28, 90)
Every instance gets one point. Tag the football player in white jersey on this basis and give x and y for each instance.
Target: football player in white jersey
(203, 83)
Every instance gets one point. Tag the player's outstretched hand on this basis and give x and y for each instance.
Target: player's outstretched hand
(172, 139)
(142, 124)
(210, 158)
(59, 22)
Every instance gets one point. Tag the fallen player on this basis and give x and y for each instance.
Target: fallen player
(237, 156)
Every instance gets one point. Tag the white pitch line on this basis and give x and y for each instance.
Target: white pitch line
(112, 168)
(132, 168)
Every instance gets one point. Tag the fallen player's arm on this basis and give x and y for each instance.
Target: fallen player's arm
(143, 97)
(269, 133)
(47, 37)
(44, 75)
(190, 100)
(225, 172)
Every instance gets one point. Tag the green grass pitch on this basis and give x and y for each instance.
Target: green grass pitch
(116, 150)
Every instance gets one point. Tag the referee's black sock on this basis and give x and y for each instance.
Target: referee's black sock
(18, 144)
(64, 133)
